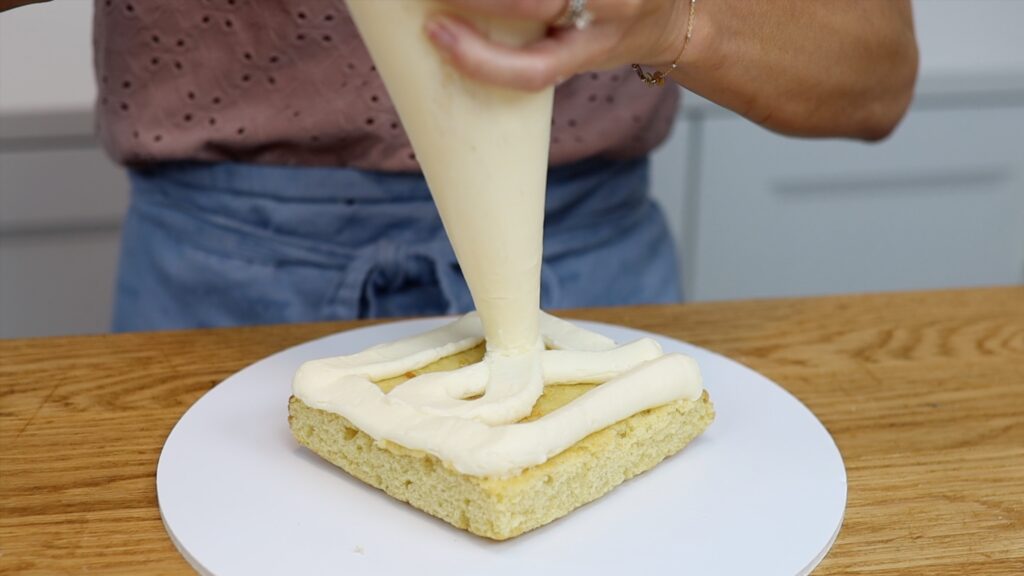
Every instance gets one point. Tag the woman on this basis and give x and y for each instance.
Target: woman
(272, 181)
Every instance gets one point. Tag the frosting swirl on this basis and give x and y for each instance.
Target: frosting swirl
(482, 436)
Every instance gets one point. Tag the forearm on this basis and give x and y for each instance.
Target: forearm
(804, 67)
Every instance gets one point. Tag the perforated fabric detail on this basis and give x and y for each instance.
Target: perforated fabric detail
(290, 82)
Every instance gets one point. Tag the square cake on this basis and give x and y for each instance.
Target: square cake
(504, 507)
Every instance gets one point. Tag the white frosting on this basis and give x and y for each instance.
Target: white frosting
(482, 437)
(484, 153)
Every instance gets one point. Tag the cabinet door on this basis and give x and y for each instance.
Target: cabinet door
(54, 189)
(940, 204)
(60, 221)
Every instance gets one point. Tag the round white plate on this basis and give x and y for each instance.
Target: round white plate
(761, 492)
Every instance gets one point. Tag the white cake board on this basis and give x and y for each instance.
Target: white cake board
(761, 492)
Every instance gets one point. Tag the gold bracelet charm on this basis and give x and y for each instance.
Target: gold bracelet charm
(657, 78)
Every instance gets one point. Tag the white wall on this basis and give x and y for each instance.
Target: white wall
(46, 57)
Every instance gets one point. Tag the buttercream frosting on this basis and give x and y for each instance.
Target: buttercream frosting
(482, 437)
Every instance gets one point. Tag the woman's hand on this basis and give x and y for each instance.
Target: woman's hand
(799, 67)
(622, 32)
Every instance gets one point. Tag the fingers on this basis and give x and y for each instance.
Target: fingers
(537, 66)
(547, 10)
(539, 10)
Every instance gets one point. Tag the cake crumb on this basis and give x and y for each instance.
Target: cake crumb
(359, 550)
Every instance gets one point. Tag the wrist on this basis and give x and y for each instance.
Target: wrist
(673, 42)
(668, 52)
(702, 52)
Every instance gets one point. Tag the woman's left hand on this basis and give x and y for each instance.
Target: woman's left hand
(622, 32)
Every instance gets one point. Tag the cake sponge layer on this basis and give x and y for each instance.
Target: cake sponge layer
(501, 508)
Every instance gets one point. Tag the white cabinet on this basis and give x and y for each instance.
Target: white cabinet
(60, 188)
(60, 224)
(57, 283)
(940, 204)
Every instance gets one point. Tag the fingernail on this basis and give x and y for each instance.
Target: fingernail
(441, 34)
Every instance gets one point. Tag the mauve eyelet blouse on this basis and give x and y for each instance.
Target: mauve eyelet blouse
(290, 82)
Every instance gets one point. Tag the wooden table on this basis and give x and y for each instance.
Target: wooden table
(924, 393)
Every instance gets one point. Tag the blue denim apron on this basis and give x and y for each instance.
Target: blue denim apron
(231, 244)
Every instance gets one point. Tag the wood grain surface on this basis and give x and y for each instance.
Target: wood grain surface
(924, 393)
